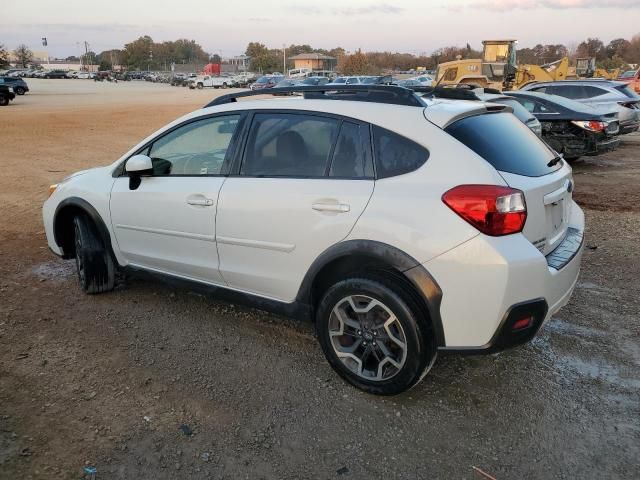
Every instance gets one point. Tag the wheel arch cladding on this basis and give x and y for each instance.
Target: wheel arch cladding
(63, 229)
(357, 257)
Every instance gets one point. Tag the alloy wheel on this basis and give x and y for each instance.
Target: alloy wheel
(367, 337)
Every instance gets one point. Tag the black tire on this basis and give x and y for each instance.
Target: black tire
(19, 90)
(224, 85)
(4, 100)
(94, 264)
(200, 86)
(419, 341)
(571, 159)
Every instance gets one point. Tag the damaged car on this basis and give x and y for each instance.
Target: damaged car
(571, 128)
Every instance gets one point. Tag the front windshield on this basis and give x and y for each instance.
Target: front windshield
(263, 80)
(628, 74)
(369, 80)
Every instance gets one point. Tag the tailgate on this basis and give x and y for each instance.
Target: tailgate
(548, 206)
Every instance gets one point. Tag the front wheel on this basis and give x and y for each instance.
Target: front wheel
(4, 100)
(19, 90)
(374, 335)
(200, 86)
(94, 264)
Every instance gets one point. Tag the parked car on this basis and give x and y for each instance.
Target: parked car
(469, 241)
(6, 95)
(632, 79)
(55, 74)
(483, 95)
(570, 127)
(598, 93)
(210, 81)
(84, 75)
(425, 80)
(408, 83)
(315, 81)
(19, 86)
(266, 81)
(352, 80)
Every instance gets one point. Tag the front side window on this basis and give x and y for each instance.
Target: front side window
(198, 148)
(451, 74)
(396, 154)
(352, 80)
(283, 144)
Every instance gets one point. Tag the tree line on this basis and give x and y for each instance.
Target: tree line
(145, 54)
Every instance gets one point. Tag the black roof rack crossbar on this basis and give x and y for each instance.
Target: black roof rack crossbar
(369, 93)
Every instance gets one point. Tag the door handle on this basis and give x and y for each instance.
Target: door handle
(331, 207)
(201, 201)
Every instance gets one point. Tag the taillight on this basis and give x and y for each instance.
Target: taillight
(492, 209)
(591, 125)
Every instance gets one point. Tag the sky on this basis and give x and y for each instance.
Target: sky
(413, 26)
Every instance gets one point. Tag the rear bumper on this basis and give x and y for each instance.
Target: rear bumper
(486, 279)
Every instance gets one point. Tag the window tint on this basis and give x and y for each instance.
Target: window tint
(504, 142)
(568, 91)
(198, 148)
(590, 91)
(289, 145)
(395, 154)
(352, 158)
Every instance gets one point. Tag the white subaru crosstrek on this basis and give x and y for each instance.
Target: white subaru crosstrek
(401, 225)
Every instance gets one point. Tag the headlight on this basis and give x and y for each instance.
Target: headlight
(52, 188)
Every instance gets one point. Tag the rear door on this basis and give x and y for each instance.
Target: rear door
(302, 183)
(525, 163)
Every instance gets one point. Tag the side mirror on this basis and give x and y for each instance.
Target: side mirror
(137, 166)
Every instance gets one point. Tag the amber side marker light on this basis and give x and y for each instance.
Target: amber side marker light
(52, 188)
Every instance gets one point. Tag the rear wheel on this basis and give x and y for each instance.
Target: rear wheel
(94, 264)
(374, 336)
(200, 86)
(4, 100)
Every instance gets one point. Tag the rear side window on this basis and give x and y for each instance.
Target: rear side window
(352, 155)
(285, 144)
(506, 143)
(396, 154)
(568, 91)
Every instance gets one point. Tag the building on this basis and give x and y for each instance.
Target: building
(239, 63)
(313, 61)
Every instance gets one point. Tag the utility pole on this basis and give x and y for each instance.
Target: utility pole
(284, 59)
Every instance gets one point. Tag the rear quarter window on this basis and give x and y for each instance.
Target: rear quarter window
(505, 142)
(395, 154)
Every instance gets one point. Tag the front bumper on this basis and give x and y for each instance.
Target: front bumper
(484, 279)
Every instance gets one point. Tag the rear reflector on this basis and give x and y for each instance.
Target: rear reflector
(522, 323)
(492, 209)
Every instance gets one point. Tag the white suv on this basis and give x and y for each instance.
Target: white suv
(401, 225)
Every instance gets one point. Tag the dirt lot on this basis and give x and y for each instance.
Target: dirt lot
(151, 381)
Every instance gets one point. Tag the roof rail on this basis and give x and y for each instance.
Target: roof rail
(390, 94)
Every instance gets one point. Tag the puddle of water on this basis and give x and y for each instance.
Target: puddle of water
(558, 325)
(55, 269)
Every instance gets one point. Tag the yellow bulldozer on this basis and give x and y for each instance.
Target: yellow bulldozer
(498, 69)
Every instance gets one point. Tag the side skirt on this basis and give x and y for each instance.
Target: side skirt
(296, 310)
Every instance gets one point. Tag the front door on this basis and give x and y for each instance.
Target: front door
(168, 222)
(304, 181)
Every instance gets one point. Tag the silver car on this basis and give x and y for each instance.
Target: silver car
(598, 93)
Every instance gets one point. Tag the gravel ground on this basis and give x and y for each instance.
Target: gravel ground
(154, 381)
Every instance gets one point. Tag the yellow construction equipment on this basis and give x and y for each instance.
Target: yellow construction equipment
(498, 69)
(586, 68)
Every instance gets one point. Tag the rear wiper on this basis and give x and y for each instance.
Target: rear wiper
(554, 161)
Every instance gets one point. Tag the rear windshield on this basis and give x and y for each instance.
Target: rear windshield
(506, 143)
